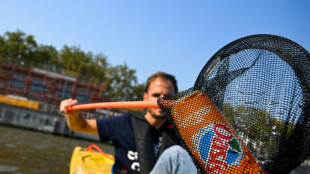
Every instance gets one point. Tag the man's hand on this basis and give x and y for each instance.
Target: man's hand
(75, 121)
(65, 104)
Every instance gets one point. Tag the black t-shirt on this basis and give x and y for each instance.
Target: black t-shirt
(157, 140)
(119, 130)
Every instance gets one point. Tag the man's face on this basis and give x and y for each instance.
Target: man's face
(158, 88)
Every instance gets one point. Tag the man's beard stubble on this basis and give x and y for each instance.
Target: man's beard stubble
(161, 116)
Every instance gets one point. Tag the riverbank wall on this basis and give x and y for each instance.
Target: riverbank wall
(53, 123)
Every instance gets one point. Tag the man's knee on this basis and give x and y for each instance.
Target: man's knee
(175, 152)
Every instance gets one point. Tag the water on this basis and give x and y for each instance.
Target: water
(24, 151)
(30, 152)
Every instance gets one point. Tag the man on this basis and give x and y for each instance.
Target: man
(138, 139)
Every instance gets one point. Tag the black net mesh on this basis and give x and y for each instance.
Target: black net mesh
(248, 111)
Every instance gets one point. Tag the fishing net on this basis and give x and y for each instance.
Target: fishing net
(248, 111)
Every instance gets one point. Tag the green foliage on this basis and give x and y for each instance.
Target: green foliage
(263, 130)
(121, 81)
(17, 48)
(117, 82)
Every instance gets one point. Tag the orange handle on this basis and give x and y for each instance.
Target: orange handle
(93, 146)
(123, 104)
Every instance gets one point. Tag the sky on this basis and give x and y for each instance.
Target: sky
(174, 36)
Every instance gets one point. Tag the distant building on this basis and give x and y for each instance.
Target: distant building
(46, 87)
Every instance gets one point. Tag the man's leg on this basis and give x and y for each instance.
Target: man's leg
(174, 160)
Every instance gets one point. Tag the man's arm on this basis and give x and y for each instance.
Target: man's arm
(75, 121)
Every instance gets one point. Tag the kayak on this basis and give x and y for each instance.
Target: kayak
(90, 160)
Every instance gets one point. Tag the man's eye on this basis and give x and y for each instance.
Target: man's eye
(155, 95)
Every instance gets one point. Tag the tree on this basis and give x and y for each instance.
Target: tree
(46, 57)
(97, 69)
(121, 82)
(16, 47)
(138, 91)
(74, 62)
(259, 129)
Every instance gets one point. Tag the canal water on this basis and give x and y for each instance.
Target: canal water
(24, 151)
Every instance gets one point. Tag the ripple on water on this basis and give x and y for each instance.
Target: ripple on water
(6, 168)
(10, 145)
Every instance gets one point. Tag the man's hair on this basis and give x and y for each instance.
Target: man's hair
(164, 76)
